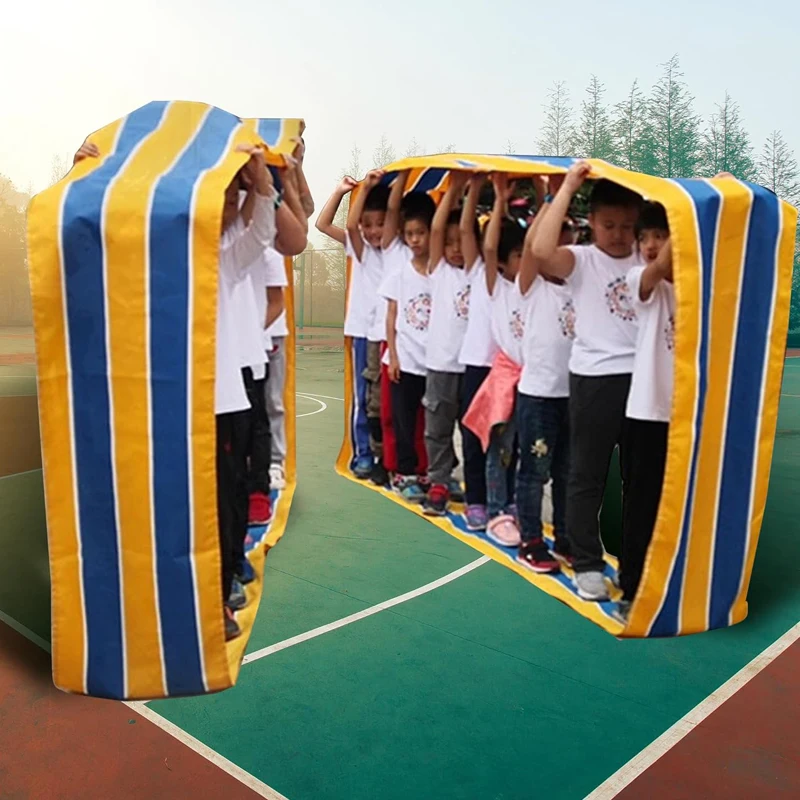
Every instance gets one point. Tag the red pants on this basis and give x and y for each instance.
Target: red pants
(389, 441)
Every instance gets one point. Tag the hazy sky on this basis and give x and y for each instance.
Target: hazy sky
(475, 77)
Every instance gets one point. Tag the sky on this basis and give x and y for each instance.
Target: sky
(475, 77)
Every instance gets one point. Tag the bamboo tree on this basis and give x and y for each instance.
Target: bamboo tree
(558, 131)
(777, 169)
(632, 133)
(726, 146)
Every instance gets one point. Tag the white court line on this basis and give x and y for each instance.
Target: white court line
(783, 394)
(367, 612)
(624, 776)
(251, 782)
(323, 396)
(322, 406)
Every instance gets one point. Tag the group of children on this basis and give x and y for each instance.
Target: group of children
(264, 218)
(548, 354)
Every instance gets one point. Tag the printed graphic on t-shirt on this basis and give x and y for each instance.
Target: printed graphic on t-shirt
(517, 323)
(566, 319)
(669, 333)
(461, 302)
(418, 311)
(618, 299)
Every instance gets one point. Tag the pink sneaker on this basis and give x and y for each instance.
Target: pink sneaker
(503, 530)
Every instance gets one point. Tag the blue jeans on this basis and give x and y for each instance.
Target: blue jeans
(543, 427)
(501, 462)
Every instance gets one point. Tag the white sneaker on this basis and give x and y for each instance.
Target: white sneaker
(277, 478)
(591, 586)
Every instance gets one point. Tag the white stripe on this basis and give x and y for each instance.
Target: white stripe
(245, 778)
(367, 612)
(322, 406)
(624, 776)
(323, 396)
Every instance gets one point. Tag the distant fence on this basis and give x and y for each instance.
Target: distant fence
(319, 287)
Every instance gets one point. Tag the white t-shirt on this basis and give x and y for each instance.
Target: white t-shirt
(605, 326)
(449, 312)
(271, 272)
(362, 294)
(546, 348)
(239, 249)
(509, 310)
(411, 291)
(650, 396)
(479, 347)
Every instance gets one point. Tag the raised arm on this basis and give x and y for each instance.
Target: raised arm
(491, 241)
(469, 242)
(528, 269)
(325, 220)
(303, 191)
(391, 341)
(549, 257)
(660, 268)
(372, 179)
(391, 225)
(439, 225)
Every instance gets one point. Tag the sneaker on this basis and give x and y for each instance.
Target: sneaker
(424, 483)
(563, 552)
(476, 518)
(244, 572)
(408, 488)
(591, 586)
(536, 557)
(503, 530)
(260, 511)
(622, 612)
(277, 477)
(232, 629)
(237, 599)
(456, 491)
(379, 475)
(362, 468)
(435, 504)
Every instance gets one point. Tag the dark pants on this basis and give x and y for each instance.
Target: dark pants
(597, 425)
(474, 457)
(543, 430)
(233, 440)
(407, 397)
(260, 448)
(647, 447)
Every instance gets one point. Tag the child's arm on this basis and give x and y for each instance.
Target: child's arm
(469, 242)
(304, 193)
(86, 150)
(549, 257)
(657, 270)
(391, 225)
(275, 304)
(528, 269)
(372, 179)
(391, 341)
(325, 220)
(491, 240)
(439, 225)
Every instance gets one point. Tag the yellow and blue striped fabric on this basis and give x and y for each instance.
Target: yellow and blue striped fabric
(123, 256)
(733, 244)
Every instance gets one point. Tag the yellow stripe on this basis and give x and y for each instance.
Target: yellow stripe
(127, 219)
(772, 390)
(289, 387)
(55, 411)
(725, 302)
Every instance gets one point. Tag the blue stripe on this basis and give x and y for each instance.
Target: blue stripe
(430, 179)
(85, 299)
(741, 447)
(170, 317)
(707, 205)
(270, 131)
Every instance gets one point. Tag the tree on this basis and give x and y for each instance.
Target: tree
(414, 149)
(383, 154)
(633, 140)
(675, 126)
(557, 131)
(447, 148)
(777, 169)
(353, 169)
(59, 167)
(726, 146)
(593, 136)
(511, 147)
(15, 301)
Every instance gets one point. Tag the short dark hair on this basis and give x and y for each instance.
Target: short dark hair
(454, 218)
(418, 206)
(377, 198)
(606, 193)
(512, 237)
(653, 216)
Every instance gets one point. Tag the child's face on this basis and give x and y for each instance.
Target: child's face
(452, 246)
(417, 235)
(372, 227)
(511, 267)
(651, 240)
(614, 230)
(231, 208)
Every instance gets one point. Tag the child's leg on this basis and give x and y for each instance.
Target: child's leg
(275, 408)
(225, 500)
(406, 401)
(559, 472)
(474, 457)
(596, 416)
(260, 445)
(359, 424)
(644, 451)
(372, 374)
(441, 412)
(498, 460)
(241, 425)
(387, 425)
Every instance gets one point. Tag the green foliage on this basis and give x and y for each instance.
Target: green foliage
(593, 137)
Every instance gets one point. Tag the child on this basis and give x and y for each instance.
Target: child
(650, 398)
(406, 288)
(362, 243)
(477, 354)
(448, 323)
(602, 358)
